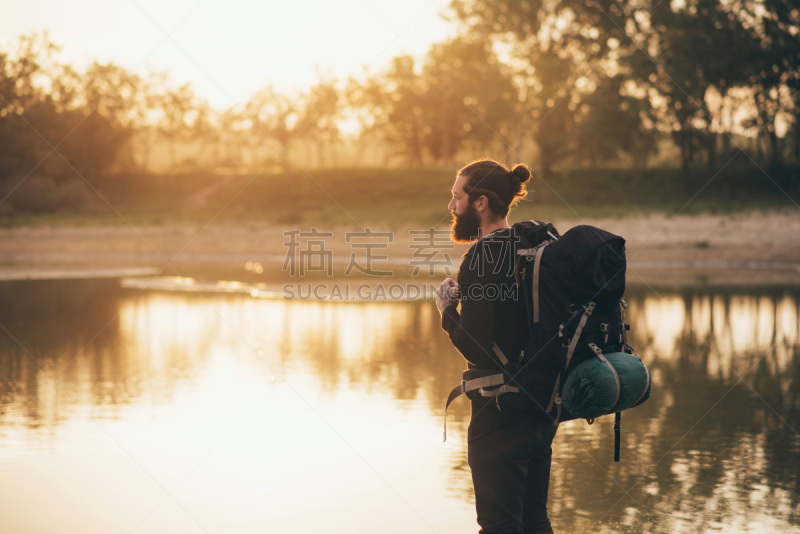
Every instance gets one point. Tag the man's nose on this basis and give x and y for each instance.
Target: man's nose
(452, 205)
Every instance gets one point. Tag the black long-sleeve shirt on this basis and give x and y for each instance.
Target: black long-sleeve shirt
(491, 307)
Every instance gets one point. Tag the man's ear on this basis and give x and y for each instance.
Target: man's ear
(482, 203)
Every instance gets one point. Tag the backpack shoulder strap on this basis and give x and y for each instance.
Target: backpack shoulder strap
(547, 234)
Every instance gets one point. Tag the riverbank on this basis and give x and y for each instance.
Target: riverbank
(738, 248)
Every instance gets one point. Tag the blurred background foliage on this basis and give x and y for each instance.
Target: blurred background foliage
(640, 103)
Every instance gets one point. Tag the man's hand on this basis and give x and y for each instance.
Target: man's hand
(447, 294)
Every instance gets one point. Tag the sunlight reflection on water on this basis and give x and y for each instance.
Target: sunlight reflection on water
(125, 410)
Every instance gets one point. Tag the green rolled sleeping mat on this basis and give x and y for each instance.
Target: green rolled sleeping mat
(597, 387)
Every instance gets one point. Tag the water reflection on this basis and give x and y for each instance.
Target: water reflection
(716, 447)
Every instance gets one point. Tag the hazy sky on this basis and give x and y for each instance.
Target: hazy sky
(228, 49)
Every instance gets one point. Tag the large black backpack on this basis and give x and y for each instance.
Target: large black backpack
(572, 288)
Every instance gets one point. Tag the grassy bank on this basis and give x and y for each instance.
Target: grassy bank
(393, 197)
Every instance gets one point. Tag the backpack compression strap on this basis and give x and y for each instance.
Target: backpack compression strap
(555, 398)
(603, 359)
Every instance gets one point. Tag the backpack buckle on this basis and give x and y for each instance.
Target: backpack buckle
(596, 349)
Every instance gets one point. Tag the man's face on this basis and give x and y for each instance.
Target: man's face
(466, 223)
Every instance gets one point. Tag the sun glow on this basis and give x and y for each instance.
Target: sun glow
(230, 50)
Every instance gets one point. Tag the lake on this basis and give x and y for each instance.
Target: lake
(124, 409)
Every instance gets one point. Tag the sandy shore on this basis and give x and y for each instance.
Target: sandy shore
(739, 248)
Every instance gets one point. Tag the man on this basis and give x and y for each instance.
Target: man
(509, 451)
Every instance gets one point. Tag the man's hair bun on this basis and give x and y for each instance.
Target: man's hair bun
(521, 172)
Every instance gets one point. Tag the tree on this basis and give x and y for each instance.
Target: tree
(469, 95)
(117, 95)
(178, 107)
(321, 108)
(282, 119)
(48, 119)
(774, 66)
(558, 46)
(613, 120)
(390, 104)
(22, 149)
(461, 95)
(233, 133)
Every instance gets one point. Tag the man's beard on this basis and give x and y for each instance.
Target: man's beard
(465, 227)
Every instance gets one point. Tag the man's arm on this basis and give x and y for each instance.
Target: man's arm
(472, 330)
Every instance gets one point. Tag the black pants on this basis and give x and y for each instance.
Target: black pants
(509, 455)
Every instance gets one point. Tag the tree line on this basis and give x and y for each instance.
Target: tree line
(555, 82)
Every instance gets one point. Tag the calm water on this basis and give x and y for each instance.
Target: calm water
(131, 411)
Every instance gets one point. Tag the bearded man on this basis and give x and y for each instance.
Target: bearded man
(509, 451)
